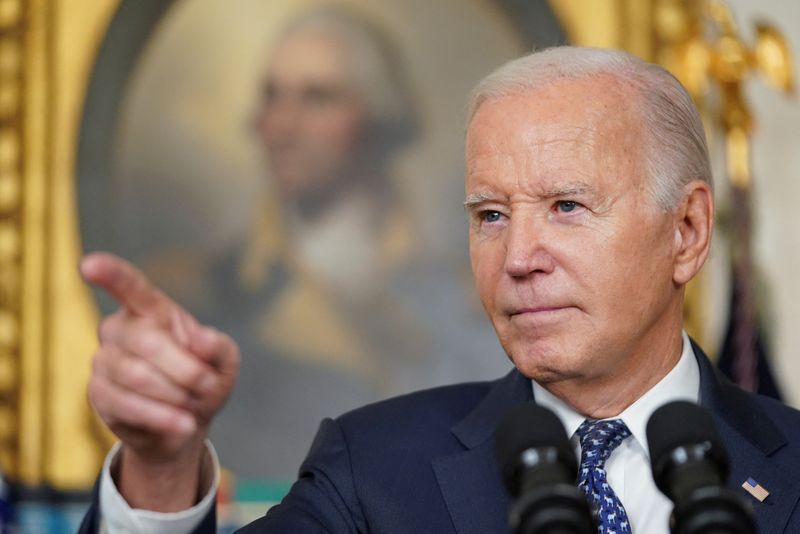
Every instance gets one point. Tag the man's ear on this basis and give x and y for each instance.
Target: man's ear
(694, 222)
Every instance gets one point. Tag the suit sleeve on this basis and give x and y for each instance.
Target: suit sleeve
(91, 521)
(323, 499)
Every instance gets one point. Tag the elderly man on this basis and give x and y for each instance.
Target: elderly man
(590, 204)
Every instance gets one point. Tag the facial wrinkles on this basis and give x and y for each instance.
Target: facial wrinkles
(536, 204)
(549, 152)
(530, 167)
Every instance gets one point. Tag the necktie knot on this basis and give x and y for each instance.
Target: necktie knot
(599, 439)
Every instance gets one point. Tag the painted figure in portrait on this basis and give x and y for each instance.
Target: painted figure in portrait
(330, 258)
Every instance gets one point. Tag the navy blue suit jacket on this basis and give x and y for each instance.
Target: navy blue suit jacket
(424, 462)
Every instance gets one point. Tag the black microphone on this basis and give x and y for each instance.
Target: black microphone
(539, 470)
(691, 467)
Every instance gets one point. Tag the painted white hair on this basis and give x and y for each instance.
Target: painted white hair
(676, 149)
(377, 70)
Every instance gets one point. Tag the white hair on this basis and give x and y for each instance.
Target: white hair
(676, 150)
(377, 70)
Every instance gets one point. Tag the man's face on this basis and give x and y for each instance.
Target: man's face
(572, 259)
(312, 119)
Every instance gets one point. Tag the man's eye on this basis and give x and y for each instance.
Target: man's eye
(323, 95)
(491, 216)
(566, 206)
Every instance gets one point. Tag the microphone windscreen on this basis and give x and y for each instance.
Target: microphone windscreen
(530, 426)
(680, 424)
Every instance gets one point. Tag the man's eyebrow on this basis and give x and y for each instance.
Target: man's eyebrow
(567, 189)
(476, 199)
(559, 190)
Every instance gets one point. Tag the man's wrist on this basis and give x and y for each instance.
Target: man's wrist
(119, 516)
(165, 485)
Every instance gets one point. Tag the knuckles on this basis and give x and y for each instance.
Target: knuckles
(134, 374)
(144, 341)
(134, 350)
(193, 375)
(230, 351)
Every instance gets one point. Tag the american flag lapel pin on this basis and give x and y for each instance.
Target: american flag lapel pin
(755, 489)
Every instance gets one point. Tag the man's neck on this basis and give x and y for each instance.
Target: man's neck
(681, 383)
(608, 396)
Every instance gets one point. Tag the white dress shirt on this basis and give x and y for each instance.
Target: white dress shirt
(119, 517)
(628, 467)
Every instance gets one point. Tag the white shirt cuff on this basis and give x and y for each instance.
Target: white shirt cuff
(119, 517)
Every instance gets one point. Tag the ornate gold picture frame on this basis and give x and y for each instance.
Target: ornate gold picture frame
(48, 49)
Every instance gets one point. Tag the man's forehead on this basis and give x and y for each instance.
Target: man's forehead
(309, 55)
(561, 157)
(574, 106)
(534, 134)
(554, 120)
(536, 150)
(549, 146)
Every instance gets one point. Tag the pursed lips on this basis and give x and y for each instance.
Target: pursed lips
(537, 309)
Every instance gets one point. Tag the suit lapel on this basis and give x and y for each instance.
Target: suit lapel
(470, 480)
(752, 440)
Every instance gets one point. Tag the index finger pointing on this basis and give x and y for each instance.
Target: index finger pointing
(129, 287)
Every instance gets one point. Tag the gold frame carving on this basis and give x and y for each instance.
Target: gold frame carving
(12, 168)
(625, 24)
(47, 318)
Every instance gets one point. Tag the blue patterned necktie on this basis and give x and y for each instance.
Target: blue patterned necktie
(598, 439)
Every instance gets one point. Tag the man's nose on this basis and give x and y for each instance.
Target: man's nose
(282, 119)
(528, 246)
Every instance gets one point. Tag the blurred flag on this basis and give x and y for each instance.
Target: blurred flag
(744, 357)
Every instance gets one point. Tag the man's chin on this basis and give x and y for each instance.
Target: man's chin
(545, 374)
(546, 367)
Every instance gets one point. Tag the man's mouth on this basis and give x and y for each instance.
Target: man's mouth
(537, 310)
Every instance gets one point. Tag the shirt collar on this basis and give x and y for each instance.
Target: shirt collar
(681, 383)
